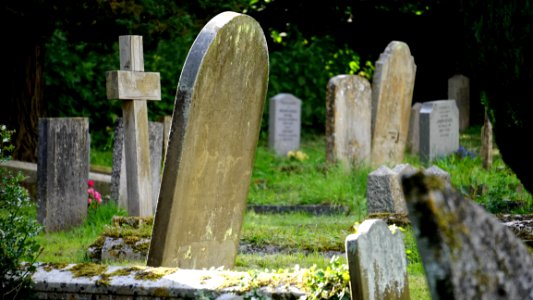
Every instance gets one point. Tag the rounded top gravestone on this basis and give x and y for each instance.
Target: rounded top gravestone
(214, 134)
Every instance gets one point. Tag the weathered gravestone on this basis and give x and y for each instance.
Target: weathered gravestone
(384, 188)
(413, 138)
(467, 253)
(377, 262)
(392, 93)
(215, 130)
(439, 129)
(118, 178)
(62, 172)
(348, 118)
(459, 90)
(486, 143)
(284, 123)
(134, 86)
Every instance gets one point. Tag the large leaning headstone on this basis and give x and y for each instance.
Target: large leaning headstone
(134, 86)
(459, 90)
(439, 129)
(284, 123)
(348, 118)
(392, 92)
(118, 179)
(62, 172)
(214, 134)
(467, 253)
(377, 262)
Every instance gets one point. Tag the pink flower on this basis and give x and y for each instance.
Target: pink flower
(90, 183)
(89, 200)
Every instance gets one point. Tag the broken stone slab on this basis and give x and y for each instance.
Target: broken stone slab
(467, 252)
(92, 281)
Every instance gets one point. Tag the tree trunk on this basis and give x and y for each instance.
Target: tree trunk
(24, 98)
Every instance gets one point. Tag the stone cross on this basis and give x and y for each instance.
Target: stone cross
(134, 86)
(211, 148)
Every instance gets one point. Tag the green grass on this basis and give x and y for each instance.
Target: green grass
(288, 181)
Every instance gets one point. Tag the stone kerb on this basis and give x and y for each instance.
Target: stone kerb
(57, 281)
(377, 262)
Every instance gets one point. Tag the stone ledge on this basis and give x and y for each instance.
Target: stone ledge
(59, 282)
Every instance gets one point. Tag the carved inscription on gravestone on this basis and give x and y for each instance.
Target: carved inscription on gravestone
(284, 123)
(439, 129)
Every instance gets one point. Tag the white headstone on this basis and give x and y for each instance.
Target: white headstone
(439, 129)
(284, 123)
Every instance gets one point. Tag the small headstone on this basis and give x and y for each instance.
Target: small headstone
(439, 129)
(348, 119)
(467, 253)
(486, 143)
(284, 123)
(62, 172)
(377, 262)
(392, 92)
(118, 177)
(215, 130)
(413, 138)
(459, 90)
(134, 86)
(384, 192)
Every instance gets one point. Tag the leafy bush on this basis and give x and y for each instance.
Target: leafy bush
(331, 283)
(17, 229)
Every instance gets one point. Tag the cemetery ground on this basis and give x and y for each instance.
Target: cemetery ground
(276, 241)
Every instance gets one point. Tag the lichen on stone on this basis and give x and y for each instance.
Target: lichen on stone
(87, 270)
(153, 273)
(53, 266)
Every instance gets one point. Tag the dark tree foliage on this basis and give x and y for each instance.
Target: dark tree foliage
(500, 39)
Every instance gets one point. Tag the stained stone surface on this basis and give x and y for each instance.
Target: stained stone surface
(467, 252)
(348, 119)
(384, 193)
(436, 171)
(377, 262)
(62, 172)
(215, 130)
(284, 123)
(413, 138)
(439, 129)
(486, 143)
(459, 90)
(118, 178)
(392, 93)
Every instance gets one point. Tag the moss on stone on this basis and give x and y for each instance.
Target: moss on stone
(125, 271)
(161, 292)
(99, 243)
(401, 220)
(87, 270)
(53, 266)
(153, 273)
